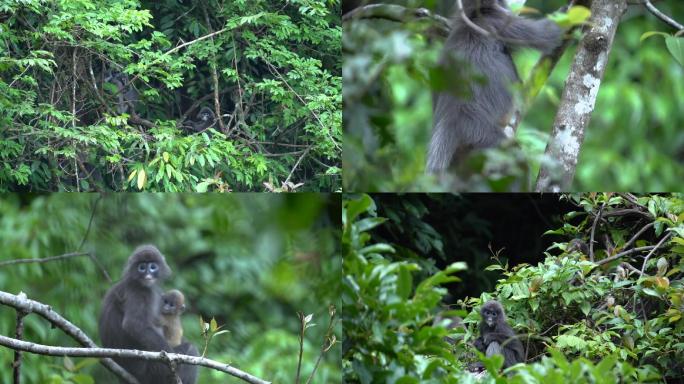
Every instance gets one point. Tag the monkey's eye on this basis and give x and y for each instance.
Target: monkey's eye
(153, 267)
(142, 267)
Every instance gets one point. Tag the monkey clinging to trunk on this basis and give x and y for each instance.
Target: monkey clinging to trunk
(463, 124)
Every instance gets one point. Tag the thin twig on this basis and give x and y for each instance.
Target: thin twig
(624, 253)
(43, 260)
(90, 222)
(469, 23)
(297, 163)
(328, 342)
(666, 237)
(301, 344)
(662, 16)
(593, 230)
(631, 268)
(636, 236)
(214, 75)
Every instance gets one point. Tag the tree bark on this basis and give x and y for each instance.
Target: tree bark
(579, 96)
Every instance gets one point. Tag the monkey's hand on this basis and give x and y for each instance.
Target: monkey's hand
(480, 345)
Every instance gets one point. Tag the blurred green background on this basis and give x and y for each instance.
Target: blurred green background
(252, 261)
(635, 139)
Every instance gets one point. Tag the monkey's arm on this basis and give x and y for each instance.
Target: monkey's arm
(542, 34)
(500, 337)
(479, 344)
(143, 329)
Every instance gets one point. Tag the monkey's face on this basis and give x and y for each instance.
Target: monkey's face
(148, 273)
(490, 317)
(172, 305)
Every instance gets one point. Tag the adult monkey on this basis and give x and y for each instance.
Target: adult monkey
(463, 124)
(129, 318)
(497, 337)
(127, 95)
(205, 119)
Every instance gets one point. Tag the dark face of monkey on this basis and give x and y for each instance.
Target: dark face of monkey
(206, 116)
(147, 267)
(490, 315)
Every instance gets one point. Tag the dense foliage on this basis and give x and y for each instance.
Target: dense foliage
(586, 314)
(633, 141)
(271, 69)
(250, 262)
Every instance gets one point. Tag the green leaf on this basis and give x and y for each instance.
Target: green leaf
(676, 47)
(585, 307)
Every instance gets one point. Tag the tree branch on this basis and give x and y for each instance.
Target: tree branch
(44, 260)
(670, 21)
(593, 231)
(579, 95)
(660, 243)
(162, 356)
(399, 14)
(22, 304)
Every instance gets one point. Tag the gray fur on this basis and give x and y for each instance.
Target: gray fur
(497, 337)
(127, 97)
(461, 125)
(130, 318)
(205, 119)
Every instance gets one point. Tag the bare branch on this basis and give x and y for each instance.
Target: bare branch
(636, 235)
(328, 342)
(44, 260)
(469, 23)
(127, 353)
(667, 19)
(21, 303)
(593, 231)
(625, 253)
(660, 243)
(400, 14)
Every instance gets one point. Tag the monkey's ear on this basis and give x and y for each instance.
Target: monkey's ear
(164, 269)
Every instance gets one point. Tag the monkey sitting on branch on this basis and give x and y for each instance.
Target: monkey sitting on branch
(130, 319)
(483, 34)
(497, 337)
(205, 119)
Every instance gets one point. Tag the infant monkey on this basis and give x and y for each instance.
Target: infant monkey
(173, 305)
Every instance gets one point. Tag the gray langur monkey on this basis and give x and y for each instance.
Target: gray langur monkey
(497, 337)
(130, 318)
(128, 96)
(205, 119)
(464, 124)
(173, 306)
